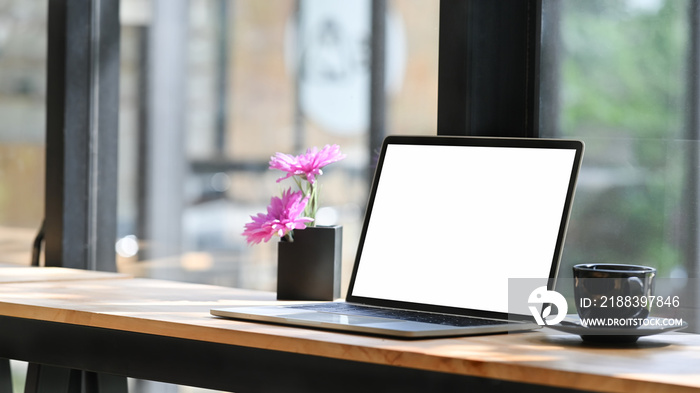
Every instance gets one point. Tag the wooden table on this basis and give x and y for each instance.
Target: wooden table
(162, 330)
(19, 274)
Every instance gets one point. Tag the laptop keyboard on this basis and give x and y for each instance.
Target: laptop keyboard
(405, 315)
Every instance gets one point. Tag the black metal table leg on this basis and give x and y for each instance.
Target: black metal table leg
(5, 375)
(50, 379)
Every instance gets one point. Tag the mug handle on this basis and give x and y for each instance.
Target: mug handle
(635, 286)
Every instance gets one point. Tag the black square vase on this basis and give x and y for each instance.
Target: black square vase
(309, 267)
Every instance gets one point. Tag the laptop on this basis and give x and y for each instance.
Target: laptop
(449, 221)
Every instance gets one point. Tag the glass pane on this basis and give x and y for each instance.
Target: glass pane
(22, 129)
(615, 76)
(255, 77)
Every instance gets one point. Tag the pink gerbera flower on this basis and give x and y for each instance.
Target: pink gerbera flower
(283, 216)
(308, 165)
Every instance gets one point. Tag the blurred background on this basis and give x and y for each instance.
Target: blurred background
(210, 89)
(255, 78)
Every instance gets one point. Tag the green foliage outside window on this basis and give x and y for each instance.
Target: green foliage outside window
(622, 90)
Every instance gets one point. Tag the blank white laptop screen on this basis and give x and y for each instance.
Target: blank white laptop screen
(448, 220)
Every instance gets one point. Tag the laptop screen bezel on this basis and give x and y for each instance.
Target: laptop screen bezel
(575, 145)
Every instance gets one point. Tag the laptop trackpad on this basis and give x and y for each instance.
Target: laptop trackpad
(372, 322)
(324, 317)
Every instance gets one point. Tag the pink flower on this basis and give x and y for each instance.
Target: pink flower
(283, 216)
(308, 165)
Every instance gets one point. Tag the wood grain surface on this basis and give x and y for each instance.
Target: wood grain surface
(41, 274)
(663, 363)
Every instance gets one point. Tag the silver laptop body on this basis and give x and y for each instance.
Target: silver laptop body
(448, 222)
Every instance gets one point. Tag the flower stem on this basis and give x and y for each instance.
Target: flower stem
(289, 236)
(298, 181)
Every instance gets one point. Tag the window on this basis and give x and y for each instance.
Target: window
(201, 117)
(22, 142)
(622, 76)
(621, 69)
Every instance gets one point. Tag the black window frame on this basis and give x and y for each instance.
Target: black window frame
(488, 76)
(82, 109)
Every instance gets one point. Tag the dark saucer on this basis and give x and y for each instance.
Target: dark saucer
(617, 335)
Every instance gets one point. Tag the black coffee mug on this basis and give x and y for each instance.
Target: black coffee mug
(614, 294)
